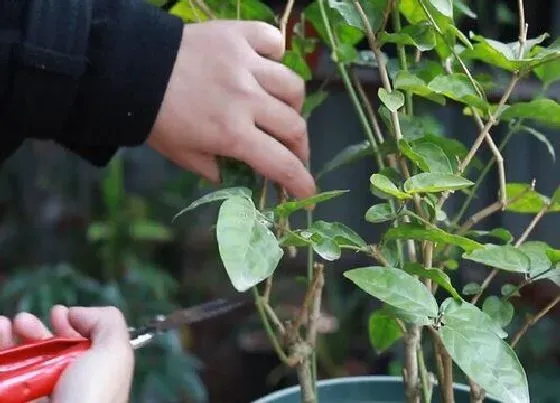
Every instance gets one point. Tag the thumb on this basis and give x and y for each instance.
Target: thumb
(104, 326)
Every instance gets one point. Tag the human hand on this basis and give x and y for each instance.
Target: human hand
(103, 373)
(230, 96)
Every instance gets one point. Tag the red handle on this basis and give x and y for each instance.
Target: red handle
(30, 371)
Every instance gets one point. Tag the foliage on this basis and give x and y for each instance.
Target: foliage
(418, 171)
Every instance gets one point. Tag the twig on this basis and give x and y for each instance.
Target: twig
(315, 311)
(411, 342)
(193, 8)
(273, 317)
(367, 105)
(286, 17)
(533, 224)
(376, 254)
(523, 27)
(532, 321)
(308, 299)
(477, 393)
(205, 9)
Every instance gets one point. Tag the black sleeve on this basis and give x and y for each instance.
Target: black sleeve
(88, 74)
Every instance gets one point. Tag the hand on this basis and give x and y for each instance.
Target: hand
(230, 96)
(102, 374)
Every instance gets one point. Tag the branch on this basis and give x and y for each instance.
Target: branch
(205, 9)
(533, 224)
(314, 288)
(286, 17)
(315, 311)
(369, 109)
(532, 321)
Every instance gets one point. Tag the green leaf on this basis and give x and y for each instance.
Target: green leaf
(346, 53)
(312, 102)
(383, 186)
(407, 317)
(373, 9)
(289, 207)
(150, 231)
(538, 258)
(435, 182)
(526, 200)
(500, 311)
(293, 238)
(503, 257)
(497, 233)
(344, 32)
(380, 213)
(461, 314)
(187, 12)
(407, 81)
(383, 331)
(488, 361)
(248, 249)
(346, 156)
(435, 274)
(510, 290)
(504, 55)
(544, 111)
(250, 10)
(463, 9)
(452, 148)
(395, 287)
(458, 87)
(392, 100)
(339, 232)
(296, 62)
(416, 127)
(472, 289)
(219, 195)
(549, 72)
(419, 233)
(444, 7)
(327, 248)
(427, 156)
(420, 35)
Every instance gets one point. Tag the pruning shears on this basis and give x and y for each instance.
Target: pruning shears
(30, 371)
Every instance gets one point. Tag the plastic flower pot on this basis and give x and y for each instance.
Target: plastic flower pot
(367, 389)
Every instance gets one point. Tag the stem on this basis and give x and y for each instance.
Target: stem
(205, 9)
(401, 51)
(424, 377)
(447, 376)
(532, 321)
(477, 393)
(412, 341)
(286, 17)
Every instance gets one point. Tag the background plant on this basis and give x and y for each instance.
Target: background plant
(418, 171)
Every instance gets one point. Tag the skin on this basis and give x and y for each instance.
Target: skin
(229, 95)
(104, 373)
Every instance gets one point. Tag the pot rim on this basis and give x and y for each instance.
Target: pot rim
(346, 380)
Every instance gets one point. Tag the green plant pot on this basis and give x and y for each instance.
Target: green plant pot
(367, 389)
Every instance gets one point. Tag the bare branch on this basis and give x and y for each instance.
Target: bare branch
(315, 311)
(532, 321)
(286, 17)
(367, 105)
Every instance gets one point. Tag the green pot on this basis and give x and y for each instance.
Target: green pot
(367, 389)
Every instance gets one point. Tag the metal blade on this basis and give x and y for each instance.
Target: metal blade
(196, 314)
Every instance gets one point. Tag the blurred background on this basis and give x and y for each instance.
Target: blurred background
(73, 234)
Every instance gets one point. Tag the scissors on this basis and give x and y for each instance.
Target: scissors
(31, 370)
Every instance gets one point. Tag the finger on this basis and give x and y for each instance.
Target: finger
(265, 39)
(280, 82)
(6, 336)
(284, 123)
(61, 322)
(104, 326)
(29, 328)
(273, 160)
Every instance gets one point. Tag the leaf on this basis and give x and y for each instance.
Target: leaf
(503, 257)
(497, 233)
(219, 195)
(407, 81)
(452, 148)
(252, 10)
(463, 8)
(510, 290)
(327, 248)
(419, 233)
(444, 7)
(312, 102)
(435, 182)
(472, 289)
(505, 55)
(344, 32)
(383, 186)
(544, 111)
(417, 127)
(539, 261)
(380, 213)
(435, 274)
(427, 156)
(461, 314)
(395, 287)
(407, 317)
(346, 156)
(549, 72)
(500, 311)
(526, 200)
(488, 361)
(420, 35)
(248, 249)
(289, 207)
(150, 231)
(346, 53)
(339, 232)
(373, 9)
(186, 12)
(296, 62)
(392, 100)
(383, 331)
(458, 87)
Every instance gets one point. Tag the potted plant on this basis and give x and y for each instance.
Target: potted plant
(417, 173)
